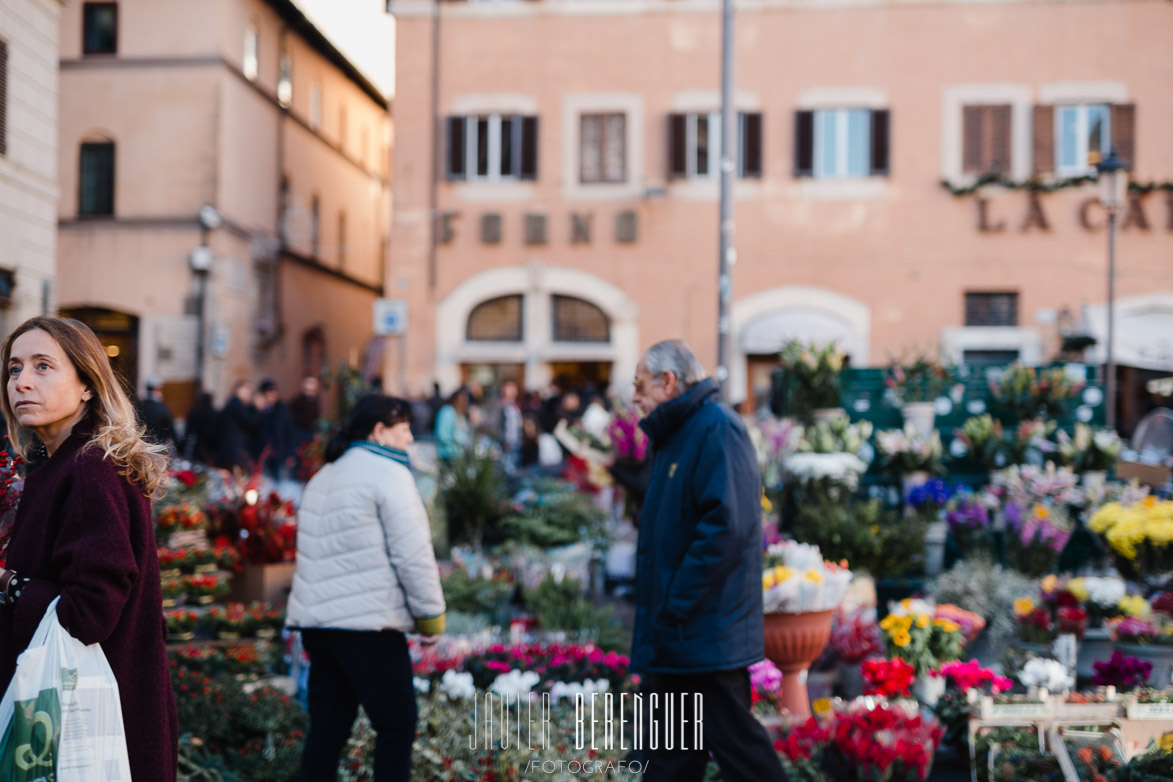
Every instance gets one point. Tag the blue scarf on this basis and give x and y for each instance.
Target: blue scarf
(381, 450)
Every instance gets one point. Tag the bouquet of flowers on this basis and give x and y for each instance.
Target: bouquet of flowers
(829, 451)
(1140, 536)
(11, 486)
(1141, 632)
(920, 638)
(1038, 534)
(904, 451)
(928, 499)
(920, 380)
(181, 623)
(1030, 437)
(1029, 392)
(797, 579)
(855, 636)
(1100, 597)
(1087, 449)
(1029, 485)
(888, 678)
(812, 372)
(983, 440)
(1035, 625)
(962, 679)
(1122, 672)
(1046, 674)
(628, 440)
(968, 516)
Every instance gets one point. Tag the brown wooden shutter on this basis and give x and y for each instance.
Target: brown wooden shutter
(880, 156)
(529, 147)
(804, 143)
(456, 163)
(1044, 139)
(3, 97)
(972, 121)
(752, 145)
(999, 135)
(677, 161)
(1124, 132)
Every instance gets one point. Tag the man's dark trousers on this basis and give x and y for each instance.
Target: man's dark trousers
(738, 742)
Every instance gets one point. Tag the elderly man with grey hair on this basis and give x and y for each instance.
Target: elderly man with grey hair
(698, 619)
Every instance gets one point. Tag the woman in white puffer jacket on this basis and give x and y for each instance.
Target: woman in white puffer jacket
(366, 576)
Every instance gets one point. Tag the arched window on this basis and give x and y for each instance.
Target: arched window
(95, 181)
(496, 320)
(576, 320)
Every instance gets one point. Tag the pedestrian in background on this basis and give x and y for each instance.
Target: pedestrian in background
(84, 531)
(698, 616)
(275, 441)
(453, 431)
(236, 426)
(155, 415)
(366, 575)
(199, 430)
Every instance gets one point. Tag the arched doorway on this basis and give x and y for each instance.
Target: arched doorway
(119, 334)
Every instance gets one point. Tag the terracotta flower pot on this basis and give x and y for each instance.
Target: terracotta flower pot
(793, 642)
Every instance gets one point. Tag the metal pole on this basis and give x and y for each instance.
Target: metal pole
(437, 151)
(1110, 364)
(727, 253)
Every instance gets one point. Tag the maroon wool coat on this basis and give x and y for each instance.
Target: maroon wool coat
(84, 532)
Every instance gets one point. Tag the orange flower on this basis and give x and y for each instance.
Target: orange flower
(1085, 755)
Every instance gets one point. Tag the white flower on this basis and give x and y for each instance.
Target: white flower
(1046, 673)
(844, 468)
(457, 686)
(569, 690)
(515, 683)
(421, 685)
(1105, 592)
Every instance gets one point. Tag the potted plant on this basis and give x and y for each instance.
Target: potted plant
(173, 591)
(966, 684)
(1100, 597)
(1150, 640)
(812, 378)
(910, 455)
(916, 384)
(205, 589)
(925, 641)
(1140, 537)
(855, 636)
(204, 560)
(266, 620)
(1090, 452)
(1027, 392)
(181, 624)
(983, 439)
(968, 517)
(173, 562)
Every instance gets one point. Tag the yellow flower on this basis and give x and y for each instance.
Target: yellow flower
(1134, 605)
(782, 573)
(821, 707)
(1149, 502)
(1023, 606)
(1077, 587)
(948, 625)
(1042, 511)
(922, 621)
(1050, 582)
(814, 576)
(767, 506)
(902, 639)
(887, 622)
(767, 579)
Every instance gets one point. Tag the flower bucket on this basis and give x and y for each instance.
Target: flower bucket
(1160, 655)
(922, 416)
(928, 689)
(793, 642)
(1095, 646)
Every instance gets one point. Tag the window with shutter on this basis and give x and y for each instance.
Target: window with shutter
(1083, 137)
(991, 309)
(3, 97)
(841, 143)
(694, 145)
(96, 179)
(456, 148)
(100, 28)
(602, 148)
(529, 147)
(1123, 123)
(985, 146)
(492, 147)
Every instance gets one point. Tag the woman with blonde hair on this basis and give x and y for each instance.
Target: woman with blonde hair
(83, 531)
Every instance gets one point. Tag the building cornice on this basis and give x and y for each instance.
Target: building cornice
(310, 263)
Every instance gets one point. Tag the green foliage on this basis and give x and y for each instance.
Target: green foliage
(557, 517)
(870, 538)
(559, 605)
(1153, 766)
(472, 494)
(811, 375)
(475, 595)
(1027, 392)
(1006, 738)
(350, 387)
(918, 379)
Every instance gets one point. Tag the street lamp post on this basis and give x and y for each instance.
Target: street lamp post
(728, 255)
(1113, 177)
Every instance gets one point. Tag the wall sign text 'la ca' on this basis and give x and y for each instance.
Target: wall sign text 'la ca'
(1090, 215)
(625, 228)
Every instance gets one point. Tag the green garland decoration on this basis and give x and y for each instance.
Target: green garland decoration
(1037, 186)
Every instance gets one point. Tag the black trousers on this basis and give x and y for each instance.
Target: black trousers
(349, 668)
(739, 743)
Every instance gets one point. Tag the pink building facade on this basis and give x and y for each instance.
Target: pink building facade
(556, 193)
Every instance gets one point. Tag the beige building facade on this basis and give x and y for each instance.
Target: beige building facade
(28, 159)
(556, 192)
(225, 200)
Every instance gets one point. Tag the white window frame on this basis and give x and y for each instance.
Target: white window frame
(842, 143)
(1081, 137)
(493, 128)
(250, 64)
(691, 122)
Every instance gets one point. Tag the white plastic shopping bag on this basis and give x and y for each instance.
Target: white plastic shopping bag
(61, 720)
